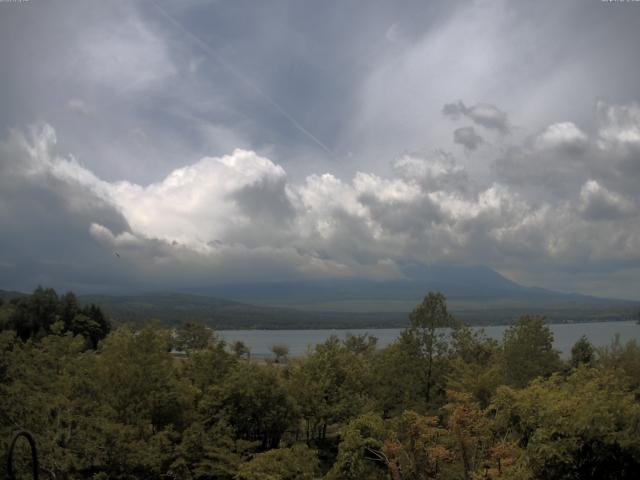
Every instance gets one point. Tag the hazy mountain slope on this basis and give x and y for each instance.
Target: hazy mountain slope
(7, 295)
(468, 287)
(174, 309)
(478, 295)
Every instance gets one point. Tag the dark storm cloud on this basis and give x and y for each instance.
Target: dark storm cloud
(45, 218)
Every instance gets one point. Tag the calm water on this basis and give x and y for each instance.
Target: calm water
(565, 335)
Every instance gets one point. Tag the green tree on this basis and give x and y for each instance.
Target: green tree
(363, 344)
(360, 453)
(582, 353)
(193, 336)
(240, 349)
(280, 350)
(428, 321)
(43, 313)
(210, 452)
(135, 375)
(34, 315)
(398, 380)
(528, 351)
(474, 365)
(68, 309)
(295, 463)
(622, 357)
(207, 367)
(329, 386)
(580, 427)
(254, 402)
(48, 387)
(7, 311)
(104, 325)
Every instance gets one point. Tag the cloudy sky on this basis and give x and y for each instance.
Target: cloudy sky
(213, 142)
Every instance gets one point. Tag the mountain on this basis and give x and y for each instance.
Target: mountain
(6, 295)
(463, 286)
(174, 309)
(477, 295)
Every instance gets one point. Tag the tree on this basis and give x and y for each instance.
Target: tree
(241, 349)
(280, 350)
(193, 336)
(68, 309)
(360, 453)
(253, 401)
(208, 367)
(91, 323)
(528, 351)
(43, 313)
(329, 386)
(582, 353)
(580, 427)
(7, 311)
(34, 315)
(210, 452)
(136, 379)
(363, 344)
(622, 357)
(469, 427)
(295, 463)
(474, 366)
(415, 449)
(427, 323)
(399, 381)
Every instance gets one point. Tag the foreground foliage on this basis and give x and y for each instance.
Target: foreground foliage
(430, 406)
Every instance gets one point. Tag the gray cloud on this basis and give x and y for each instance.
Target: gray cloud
(433, 171)
(561, 158)
(600, 204)
(467, 137)
(45, 218)
(483, 114)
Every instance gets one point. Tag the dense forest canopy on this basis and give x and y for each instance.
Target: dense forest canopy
(122, 405)
(44, 313)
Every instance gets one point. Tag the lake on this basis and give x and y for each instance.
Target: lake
(565, 335)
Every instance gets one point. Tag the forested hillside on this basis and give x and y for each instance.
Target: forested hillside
(125, 407)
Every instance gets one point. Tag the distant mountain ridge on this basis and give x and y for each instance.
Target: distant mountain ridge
(458, 284)
(175, 308)
(7, 295)
(478, 295)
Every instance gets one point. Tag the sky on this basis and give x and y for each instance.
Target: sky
(160, 145)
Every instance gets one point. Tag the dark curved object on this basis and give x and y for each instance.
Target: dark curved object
(34, 453)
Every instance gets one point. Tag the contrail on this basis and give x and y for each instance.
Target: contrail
(235, 72)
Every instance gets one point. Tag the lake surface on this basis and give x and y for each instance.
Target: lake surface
(565, 335)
